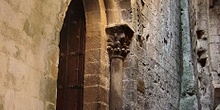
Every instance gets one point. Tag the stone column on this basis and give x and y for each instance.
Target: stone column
(188, 100)
(119, 38)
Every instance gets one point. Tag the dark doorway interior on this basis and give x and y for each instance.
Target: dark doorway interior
(71, 62)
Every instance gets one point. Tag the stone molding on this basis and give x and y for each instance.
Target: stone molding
(119, 39)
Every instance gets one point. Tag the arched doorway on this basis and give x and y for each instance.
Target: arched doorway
(71, 62)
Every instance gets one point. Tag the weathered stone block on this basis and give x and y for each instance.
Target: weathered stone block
(47, 90)
(17, 75)
(93, 15)
(91, 80)
(95, 94)
(92, 55)
(104, 82)
(214, 39)
(95, 106)
(28, 102)
(92, 68)
(10, 11)
(215, 58)
(213, 30)
(215, 48)
(92, 5)
(50, 107)
(94, 42)
(9, 99)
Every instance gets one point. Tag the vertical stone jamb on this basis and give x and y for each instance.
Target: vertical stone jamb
(119, 38)
(213, 50)
(202, 56)
(188, 100)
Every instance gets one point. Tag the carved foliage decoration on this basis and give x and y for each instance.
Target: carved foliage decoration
(119, 38)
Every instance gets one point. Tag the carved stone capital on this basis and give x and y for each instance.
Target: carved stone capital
(119, 38)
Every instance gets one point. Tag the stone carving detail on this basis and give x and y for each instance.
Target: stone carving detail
(119, 38)
(202, 45)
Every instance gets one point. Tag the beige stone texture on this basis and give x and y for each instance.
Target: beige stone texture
(29, 36)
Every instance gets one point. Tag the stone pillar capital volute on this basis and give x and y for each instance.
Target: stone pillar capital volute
(119, 38)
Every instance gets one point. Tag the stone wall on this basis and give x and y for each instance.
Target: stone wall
(204, 27)
(152, 68)
(201, 35)
(29, 35)
(214, 48)
(96, 78)
(29, 39)
(29, 53)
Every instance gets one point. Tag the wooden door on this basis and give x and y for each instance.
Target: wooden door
(71, 62)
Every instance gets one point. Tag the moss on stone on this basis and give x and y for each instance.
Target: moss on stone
(186, 103)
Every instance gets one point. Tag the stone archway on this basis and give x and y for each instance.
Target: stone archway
(95, 94)
(96, 76)
(71, 59)
(98, 14)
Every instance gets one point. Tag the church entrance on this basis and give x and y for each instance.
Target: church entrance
(71, 61)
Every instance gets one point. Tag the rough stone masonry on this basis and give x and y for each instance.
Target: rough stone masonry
(152, 71)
